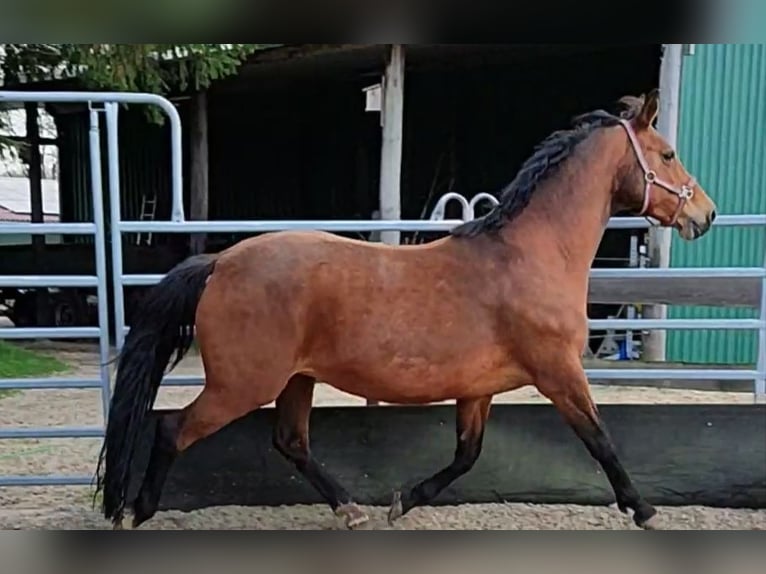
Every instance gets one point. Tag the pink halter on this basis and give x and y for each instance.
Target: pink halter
(684, 193)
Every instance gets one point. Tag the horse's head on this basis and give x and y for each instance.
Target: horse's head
(656, 184)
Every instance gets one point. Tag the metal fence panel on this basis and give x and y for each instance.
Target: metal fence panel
(97, 230)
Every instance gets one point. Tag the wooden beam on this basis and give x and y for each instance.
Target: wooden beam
(198, 156)
(291, 52)
(744, 292)
(655, 342)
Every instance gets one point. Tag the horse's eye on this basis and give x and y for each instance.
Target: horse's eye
(668, 155)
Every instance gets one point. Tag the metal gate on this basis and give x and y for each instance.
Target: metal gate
(97, 230)
(177, 224)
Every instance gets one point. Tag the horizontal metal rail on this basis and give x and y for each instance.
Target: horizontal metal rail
(326, 225)
(686, 324)
(675, 374)
(48, 281)
(337, 225)
(51, 333)
(49, 383)
(52, 432)
(677, 272)
(352, 225)
(47, 229)
(141, 280)
(49, 480)
(182, 380)
(607, 374)
(720, 221)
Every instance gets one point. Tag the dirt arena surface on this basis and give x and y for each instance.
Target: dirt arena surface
(66, 511)
(70, 507)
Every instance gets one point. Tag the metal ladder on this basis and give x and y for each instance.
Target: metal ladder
(148, 213)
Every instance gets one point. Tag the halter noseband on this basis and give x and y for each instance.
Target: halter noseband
(684, 193)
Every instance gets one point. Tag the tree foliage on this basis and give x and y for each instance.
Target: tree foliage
(155, 68)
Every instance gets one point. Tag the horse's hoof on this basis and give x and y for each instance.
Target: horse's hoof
(126, 522)
(352, 515)
(650, 523)
(396, 510)
(646, 517)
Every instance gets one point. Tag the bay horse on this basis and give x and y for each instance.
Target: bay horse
(498, 304)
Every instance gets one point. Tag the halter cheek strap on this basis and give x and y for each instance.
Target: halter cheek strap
(684, 193)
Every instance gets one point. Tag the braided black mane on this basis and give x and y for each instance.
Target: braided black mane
(547, 157)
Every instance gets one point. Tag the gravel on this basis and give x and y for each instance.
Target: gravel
(42, 510)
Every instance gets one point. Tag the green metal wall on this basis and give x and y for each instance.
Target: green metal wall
(722, 139)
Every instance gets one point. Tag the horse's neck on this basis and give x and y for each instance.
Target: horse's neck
(566, 218)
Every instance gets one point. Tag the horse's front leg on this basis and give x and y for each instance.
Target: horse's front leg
(567, 388)
(471, 420)
(291, 439)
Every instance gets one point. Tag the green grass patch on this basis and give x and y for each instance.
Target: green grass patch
(18, 363)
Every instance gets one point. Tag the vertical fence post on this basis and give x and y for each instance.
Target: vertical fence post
(115, 216)
(176, 158)
(655, 342)
(99, 240)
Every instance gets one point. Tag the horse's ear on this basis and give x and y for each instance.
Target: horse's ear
(649, 111)
(628, 106)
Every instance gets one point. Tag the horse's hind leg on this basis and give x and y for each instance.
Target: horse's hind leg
(162, 456)
(568, 391)
(212, 410)
(471, 420)
(291, 439)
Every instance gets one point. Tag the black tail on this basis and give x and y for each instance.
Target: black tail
(163, 325)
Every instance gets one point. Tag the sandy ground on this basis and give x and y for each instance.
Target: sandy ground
(70, 507)
(74, 514)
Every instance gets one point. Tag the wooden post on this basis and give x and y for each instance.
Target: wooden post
(660, 238)
(198, 157)
(34, 162)
(392, 122)
(392, 116)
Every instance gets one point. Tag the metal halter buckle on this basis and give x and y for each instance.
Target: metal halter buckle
(687, 192)
(650, 176)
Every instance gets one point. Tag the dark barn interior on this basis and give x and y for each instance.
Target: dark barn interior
(294, 141)
(290, 138)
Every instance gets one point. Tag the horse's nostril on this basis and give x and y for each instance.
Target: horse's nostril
(712, 216)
